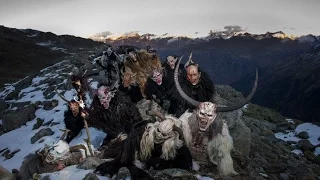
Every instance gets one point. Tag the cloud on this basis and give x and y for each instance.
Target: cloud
(229, 30)
(104, 34)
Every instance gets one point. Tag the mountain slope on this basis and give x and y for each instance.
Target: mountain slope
(27, 51)
(291, 86)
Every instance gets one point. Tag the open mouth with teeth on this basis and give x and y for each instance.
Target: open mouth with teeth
(203, 125)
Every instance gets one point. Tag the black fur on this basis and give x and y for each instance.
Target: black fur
(153, 89)
(133, 92)
(203, 91)
(119, 117)
(124, 153)
(176, 102)
(74, 124)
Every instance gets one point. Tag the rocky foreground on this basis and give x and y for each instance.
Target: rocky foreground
(258, 153)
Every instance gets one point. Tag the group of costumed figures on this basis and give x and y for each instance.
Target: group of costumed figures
(161, 114)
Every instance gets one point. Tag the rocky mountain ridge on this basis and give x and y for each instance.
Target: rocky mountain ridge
(27, 102)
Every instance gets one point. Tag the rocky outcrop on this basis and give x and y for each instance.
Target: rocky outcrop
(14, 119)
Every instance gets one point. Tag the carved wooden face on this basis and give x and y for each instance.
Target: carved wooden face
(193, 74)
(105, 96)
(74, 106)
(206, 114)
(157, 76)
(171, 61)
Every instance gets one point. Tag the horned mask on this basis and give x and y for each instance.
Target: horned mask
(57, 152)
(105, 95)
(192, 69)
(157, 76)
(74, 107)
(171, 60)
(207, 111)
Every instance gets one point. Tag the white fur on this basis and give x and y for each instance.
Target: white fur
(184, 125)
(219, 149)
(169, 145)
(195, 166)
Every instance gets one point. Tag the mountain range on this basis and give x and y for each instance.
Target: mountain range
(288, 66)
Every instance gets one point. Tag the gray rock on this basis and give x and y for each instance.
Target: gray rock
(40, 134)
(305, 145)
(241, 135)
(123, 173)
(317, 159)
(167, 174)
(283, 176)
(303, 135)
(38, 123)
(90, 163)
(91, 176)
(15, 119)
(3, 105)
(309, 155)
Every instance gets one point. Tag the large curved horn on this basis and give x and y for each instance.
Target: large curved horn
(63, 98)
(183, 95)
(248, 98)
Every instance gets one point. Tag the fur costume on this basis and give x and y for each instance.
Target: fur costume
(79, 82)
(141, 63)
(203, 90)
(73, 121)
(49, 159)
(112, 111)
(111, 62)
(209, 134)
(159, 145)
(176, 102)
(155, 89)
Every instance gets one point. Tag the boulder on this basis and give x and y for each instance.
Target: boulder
(15, 119)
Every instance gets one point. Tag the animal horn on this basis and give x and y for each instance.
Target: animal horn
(63, 98)
(189, 61)
(183, 94)
(248, 98)
(156, 113)
(65, 133)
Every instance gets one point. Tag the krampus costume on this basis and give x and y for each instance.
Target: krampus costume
(50, 159)
(195, 84)
(159, 145)
(176, 102)
(112, 111)
(111, 62)
(155, 89)
(129, 85)
(210, 136)
(141, 63)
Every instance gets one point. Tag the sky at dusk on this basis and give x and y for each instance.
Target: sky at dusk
(177, 17)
